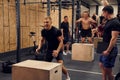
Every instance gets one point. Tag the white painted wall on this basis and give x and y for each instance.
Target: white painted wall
(83, 8)
(115, 10)
(93, 10)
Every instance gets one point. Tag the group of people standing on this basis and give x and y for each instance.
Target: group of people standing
(58, 39)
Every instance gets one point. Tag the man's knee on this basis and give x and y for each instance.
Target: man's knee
(108, 71)
(83, 39)
(101, 65)
(60, 61)
(90, 40)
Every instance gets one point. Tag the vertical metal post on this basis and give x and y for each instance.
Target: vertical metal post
(24, 2)
(78, 15)
(73, 10)
(118, 3)
(48, 7)
(118, 7)
(97, 9)
(78, 9)
(60, 6)
(18, 58)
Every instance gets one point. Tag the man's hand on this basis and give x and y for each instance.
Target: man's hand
(63, 37)
(55, 53)
(106, 53)
(105, 2)
(37, 50)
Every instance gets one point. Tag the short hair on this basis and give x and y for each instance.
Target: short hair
(48, 17)
(86, 12)
(109, 9)
(65, 17)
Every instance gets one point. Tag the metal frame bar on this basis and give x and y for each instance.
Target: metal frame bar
(85, 4)
(73, 10)
(78, 9)
(18, 58)
(60, 5)
(97, 9)
(78, 12)
(48, 7)
(96, 2)
(54, 8)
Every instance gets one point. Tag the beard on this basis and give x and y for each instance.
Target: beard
(46, 27)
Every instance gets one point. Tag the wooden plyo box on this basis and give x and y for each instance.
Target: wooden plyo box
(83, 52)
(36, 70)
(96, 40)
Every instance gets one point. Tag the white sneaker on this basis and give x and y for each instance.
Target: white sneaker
(64, 53)
(68, 52)
(68, 78)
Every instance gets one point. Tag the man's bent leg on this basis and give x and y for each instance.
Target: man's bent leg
(104, 76)
(64, 70)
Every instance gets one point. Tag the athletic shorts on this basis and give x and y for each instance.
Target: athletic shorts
(109, 61)
(49, 56)
(86, 33)
(66, 39)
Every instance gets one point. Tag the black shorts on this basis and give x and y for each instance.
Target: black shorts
(86, 33)
(49, 56)
(66, 39)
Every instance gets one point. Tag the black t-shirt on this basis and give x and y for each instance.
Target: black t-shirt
(111, 25)
(51, 37)
(65, 27)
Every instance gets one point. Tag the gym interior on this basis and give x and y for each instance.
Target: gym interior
(21, 23)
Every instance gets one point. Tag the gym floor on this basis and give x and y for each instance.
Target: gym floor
(78, 70)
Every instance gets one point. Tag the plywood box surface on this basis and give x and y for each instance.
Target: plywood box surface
(96, 40)
(36, 70)
(1, 30)
(83, 52)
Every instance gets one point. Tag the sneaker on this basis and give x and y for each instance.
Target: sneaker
(64, 53)
(68, 52)
(68, 78)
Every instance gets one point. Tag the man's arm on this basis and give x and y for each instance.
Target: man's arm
(60, 43)
(92, 21)
(105, 2)
(113, 40)
(79, 20)
(77, 29)
(61, 28)
(55, 52)
(62, 33)
(41, 41)
(69, 29)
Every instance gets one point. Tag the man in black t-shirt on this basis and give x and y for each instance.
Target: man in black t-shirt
(53, 36)
(65, 34)
(110, 35)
